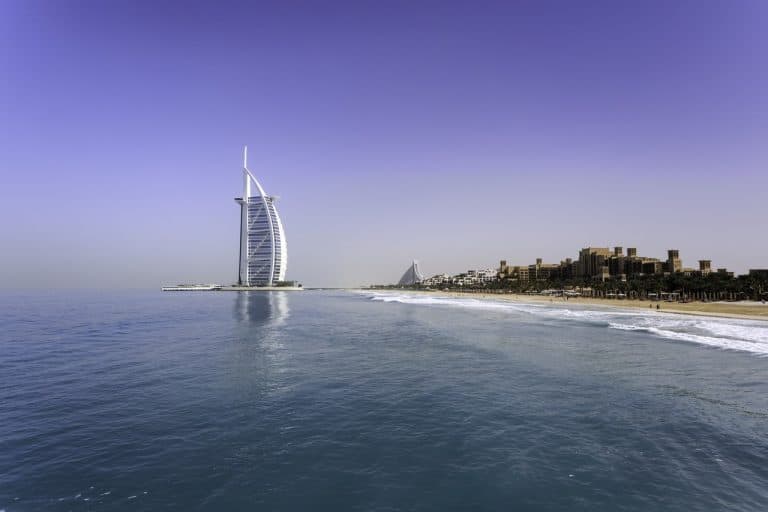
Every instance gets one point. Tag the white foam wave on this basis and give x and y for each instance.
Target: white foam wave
(732, 343)
(725, 333)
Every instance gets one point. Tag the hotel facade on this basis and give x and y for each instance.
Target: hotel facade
(263, 248)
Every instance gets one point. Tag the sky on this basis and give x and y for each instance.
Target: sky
(454, 133)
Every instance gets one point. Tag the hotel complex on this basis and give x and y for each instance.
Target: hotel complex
(602, 264)
(593, 265)
(263, 250)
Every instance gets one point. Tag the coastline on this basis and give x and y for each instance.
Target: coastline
(736, 310)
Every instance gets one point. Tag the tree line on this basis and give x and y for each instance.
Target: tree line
(713, 286)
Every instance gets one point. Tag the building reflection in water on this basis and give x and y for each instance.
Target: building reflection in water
(258, 356)
(267, 308)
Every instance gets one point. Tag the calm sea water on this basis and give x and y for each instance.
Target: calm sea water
(354, 401)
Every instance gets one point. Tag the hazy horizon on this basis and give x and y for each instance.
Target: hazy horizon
(457, 134)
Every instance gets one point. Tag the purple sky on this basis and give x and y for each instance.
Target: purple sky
(454, 133)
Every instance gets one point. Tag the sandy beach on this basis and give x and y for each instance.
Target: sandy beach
(745, 309)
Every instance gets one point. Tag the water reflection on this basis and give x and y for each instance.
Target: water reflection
(259, 358)
(270, 308)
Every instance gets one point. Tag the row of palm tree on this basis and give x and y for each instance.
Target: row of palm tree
(693, 287)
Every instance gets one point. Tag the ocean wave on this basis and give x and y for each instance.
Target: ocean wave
(724, 333)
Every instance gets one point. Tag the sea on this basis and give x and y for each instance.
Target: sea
(373, 401)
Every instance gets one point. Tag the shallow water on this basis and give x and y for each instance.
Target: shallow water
(344, 401)
(727, 333)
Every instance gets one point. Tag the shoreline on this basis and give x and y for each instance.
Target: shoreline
(735, 310)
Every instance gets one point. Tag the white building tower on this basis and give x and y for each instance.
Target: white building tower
(412, 276)
(263, 250)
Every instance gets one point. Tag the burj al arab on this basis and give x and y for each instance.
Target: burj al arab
(263, 249)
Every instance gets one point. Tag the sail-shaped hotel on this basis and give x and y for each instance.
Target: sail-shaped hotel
(263, 250)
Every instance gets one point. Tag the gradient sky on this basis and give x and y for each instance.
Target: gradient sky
(456, 133)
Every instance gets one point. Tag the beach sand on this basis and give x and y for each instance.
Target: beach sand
(745, 310)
